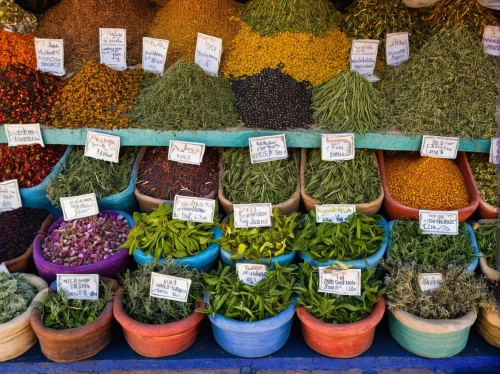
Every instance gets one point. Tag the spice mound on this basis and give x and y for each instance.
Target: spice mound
(86, 241)
(18, 229)
(17, 48)
(485, 175)
(15, 19)
(17, 295)
(426, 182)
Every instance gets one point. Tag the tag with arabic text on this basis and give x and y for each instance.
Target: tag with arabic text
(186, 152)
(102, 146)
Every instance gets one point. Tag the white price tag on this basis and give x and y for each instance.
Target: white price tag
(3, 268)
(439, 147)
(340, 282)
(24, 134)
(491, 40)
(79, 206)
(438, 222)
(252, 215)
(337, 147)
(194, 209)
(334, 213)
(397, 48)
(208, 53)
(79, 286)
(430, 281)
(251, 273)
(102, 146)
(10, 197)
(495, 151)
(154, 54)
(113, 48)
(169, 287)
(267, 148)
(364, 57)
(50, 56)
(186, 152)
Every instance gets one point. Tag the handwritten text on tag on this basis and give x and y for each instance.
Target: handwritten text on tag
(50, 56)
(102, 146)
(193, 209)
(252, 215)
(439, 147)
(430, 281)
(208, 53)
(251, 273)
(491, 40)
(24, 134)
(79, 206)
(186, 152)
(495, 151)
(337, 147)
(364, 56)
(267, 148)
(439, 222)
(334, 213)
(79, 286)
(397, 48)
(169, 287)
(340, 282)
(113, 47)
(10, 197)
(154, 54)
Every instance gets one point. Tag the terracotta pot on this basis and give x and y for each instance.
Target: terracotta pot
(489, 272)
(78, 343)
(157, 340)
(488, 325)
(342, 340)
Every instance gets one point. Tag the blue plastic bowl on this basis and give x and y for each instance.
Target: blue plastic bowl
(283, 260)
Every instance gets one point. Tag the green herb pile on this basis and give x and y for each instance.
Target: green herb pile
(158, 234)
(61, 313)
(16, 295)
(354, 181)
(268, 182)
(449, 88)
(82, 175)
(485, 175)
(153, 310)
(333, 308)
(239, 301)
(486, 236)
(184, 98)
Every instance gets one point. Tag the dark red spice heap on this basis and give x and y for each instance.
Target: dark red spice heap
(163, 179)
(18, 229)
(29, 164)
(27, 95)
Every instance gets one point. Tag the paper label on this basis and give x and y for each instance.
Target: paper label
(267, 148)
(491, 40)
(113, 48)
(251, 273)
(102, 146)
(495, 151)
(364, 56)
(340, 282)
(79, 286)
(186, 152)
(337, 147)
(154, 54)
(208, 53)
(24, 134)
(430, 281)
(439, 147)
(10, 198)
(194, 209)
(79, 206)
(169, 287)
(438, 222)
(50, 56)
(3, 268)
(334, 213)
(397, 48)
(252, 215)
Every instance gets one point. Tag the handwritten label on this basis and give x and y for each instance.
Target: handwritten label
(252, 215)
(50, 56)
(397, 48)
(208, 53)
(79, 206)
(79, 286)
(439, 147)
(491, 40)
(495, 151)
(267, 148)
(340, 282)
(438, 222)
(102, 146)
(186, 152)
(430, 281)
(113, 48)
(3, 268)
(154, 54)
(194, 209)
(10, 198)
(334, 213)
(337, 147)
(251, 273)
(24, 134)
(169, 287)
(364, 57)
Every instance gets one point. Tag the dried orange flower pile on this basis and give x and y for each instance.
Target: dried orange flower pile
(17, 48)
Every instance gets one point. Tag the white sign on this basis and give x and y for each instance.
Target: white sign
(169, 287)
(208, 53)
(439, 147)
(491, 40)
(334, 213)
(397, 48)
(495, 151)
(364, 57)
(430, 281)
(186, 152)
(10, 198)
(102, 146)
(154, 54)
(3, 268)
(24, 134)
(251, 273)
(267, 148)
(252, 215)
(438, 222)
(337, 147)
(194, 209)
(79, 206)
(113, 48)
(340, 282)
(79, 286)
(50, 56)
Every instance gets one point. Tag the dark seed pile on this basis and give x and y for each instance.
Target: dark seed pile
(272, 100)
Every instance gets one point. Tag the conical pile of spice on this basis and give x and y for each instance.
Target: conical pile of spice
(17, 48)
(13, 18)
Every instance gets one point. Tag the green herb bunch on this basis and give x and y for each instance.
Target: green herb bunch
(16, 295)
(485, 176)
(486, 236)
(153, 310)
(239, 301)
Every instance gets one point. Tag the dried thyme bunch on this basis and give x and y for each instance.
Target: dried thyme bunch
(485, 176)
(16, 295)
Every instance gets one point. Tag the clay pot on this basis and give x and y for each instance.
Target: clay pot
(488, 325)
(157, 340)
(419, 3)
(342, 340)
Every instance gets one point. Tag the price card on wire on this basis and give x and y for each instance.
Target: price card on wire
(268, 148)
(186, 152)
(79, 206)
(252, 215)
(194, 209)
(169, 287)
(23, 134)
(10, 197)
(251, 273)
(495, 151)
(208, 53)
(79, 286)
(491, 40)
(439, 146)
(430, 281)
(102, 146)
(397, 48)
(113, 48)
(438, 222)
(50, 56)
(364, 57)
(337, 147)
(3, 268)
(334, 213)
(154, 54)
(340, 282)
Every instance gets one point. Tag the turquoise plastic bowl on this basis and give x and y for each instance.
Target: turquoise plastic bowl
(282, 260)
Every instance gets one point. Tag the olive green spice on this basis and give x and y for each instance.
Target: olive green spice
(485, 175)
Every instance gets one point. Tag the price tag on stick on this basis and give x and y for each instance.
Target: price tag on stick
(364, 57)
(438, 222)
(186, 152)
(113, 48)
(495, 151)
(335, 213)
(102, 146)
(267, 148)
(439, 147)
(430, 281)
(10, 197)
(340, 282)
(251, 273)
(169, 287)
(50, 56)
(79, 206)
(79, 286)
(397, 48)
(154, 54)
(194, 209)
(491, 40)
(24, 134)
(208, 53)
(252, 215)
(337, 147)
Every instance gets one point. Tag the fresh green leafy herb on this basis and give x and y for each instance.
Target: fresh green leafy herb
(486, 236)
(16, 295)
(485, 176)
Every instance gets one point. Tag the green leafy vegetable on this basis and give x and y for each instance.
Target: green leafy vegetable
(16, 295)
(486, 236)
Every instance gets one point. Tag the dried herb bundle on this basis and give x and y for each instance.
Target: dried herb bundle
(485, 176)
(16, 295)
